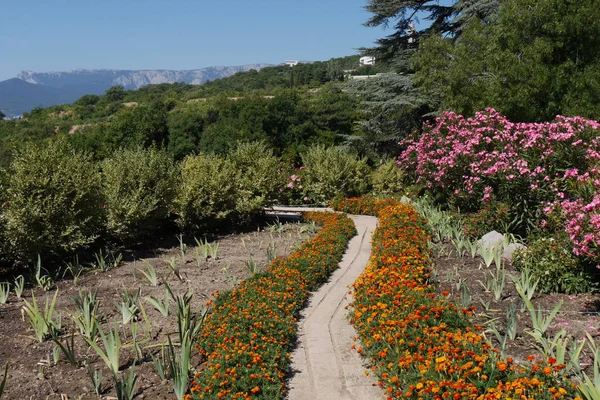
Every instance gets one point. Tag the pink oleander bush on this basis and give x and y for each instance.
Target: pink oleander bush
(548, 172)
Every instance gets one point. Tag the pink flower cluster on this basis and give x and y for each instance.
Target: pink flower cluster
(582, 225)
(295, 182)
(474, 159)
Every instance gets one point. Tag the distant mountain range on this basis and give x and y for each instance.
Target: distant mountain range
(30, 89)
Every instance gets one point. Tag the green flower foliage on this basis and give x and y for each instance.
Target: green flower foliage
(551, 260)
(387, 179)
(53, 201)
(207, 191)
(494, 216)
(139, 187)
(332, 172)
(260, 178)
(4, 245)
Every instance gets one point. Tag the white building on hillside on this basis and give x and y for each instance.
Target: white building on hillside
(411, 33)
(367, 60)
(291, 63)
(364, 77)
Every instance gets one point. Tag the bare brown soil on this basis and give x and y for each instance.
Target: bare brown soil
(33, 374)
(579, 313)
(76, 128)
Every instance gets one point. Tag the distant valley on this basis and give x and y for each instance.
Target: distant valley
(30, 89)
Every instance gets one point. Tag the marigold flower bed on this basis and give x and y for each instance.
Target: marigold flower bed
(246, 338)
(421, 345)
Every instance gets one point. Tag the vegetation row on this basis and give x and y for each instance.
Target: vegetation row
(246, 339)
(421, 345)
(58, 202)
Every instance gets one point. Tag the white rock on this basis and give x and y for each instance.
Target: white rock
(496, 239)
(490, 239)
(510, 250)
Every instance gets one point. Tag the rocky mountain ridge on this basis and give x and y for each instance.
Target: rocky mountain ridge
(30, 89)
(132, 79)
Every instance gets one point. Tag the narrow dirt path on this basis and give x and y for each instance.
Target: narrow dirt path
(323, 365)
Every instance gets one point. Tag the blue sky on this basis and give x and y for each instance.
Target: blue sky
(58, 35)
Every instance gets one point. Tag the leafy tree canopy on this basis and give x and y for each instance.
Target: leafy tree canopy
(539, 59)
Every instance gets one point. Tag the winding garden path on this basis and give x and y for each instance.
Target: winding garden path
(323, 365)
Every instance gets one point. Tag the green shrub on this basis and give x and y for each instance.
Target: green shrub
(552, 261)
(139, 187)
(494, 216)
(3, 243)
(332, 172)
(4, 248)
(207, 193)
(260, 178)
(387, 179)
(53, 201)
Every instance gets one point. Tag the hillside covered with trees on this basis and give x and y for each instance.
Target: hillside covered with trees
(288, 107)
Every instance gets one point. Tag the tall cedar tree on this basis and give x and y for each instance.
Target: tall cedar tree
(393, 105)
(403, 14)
